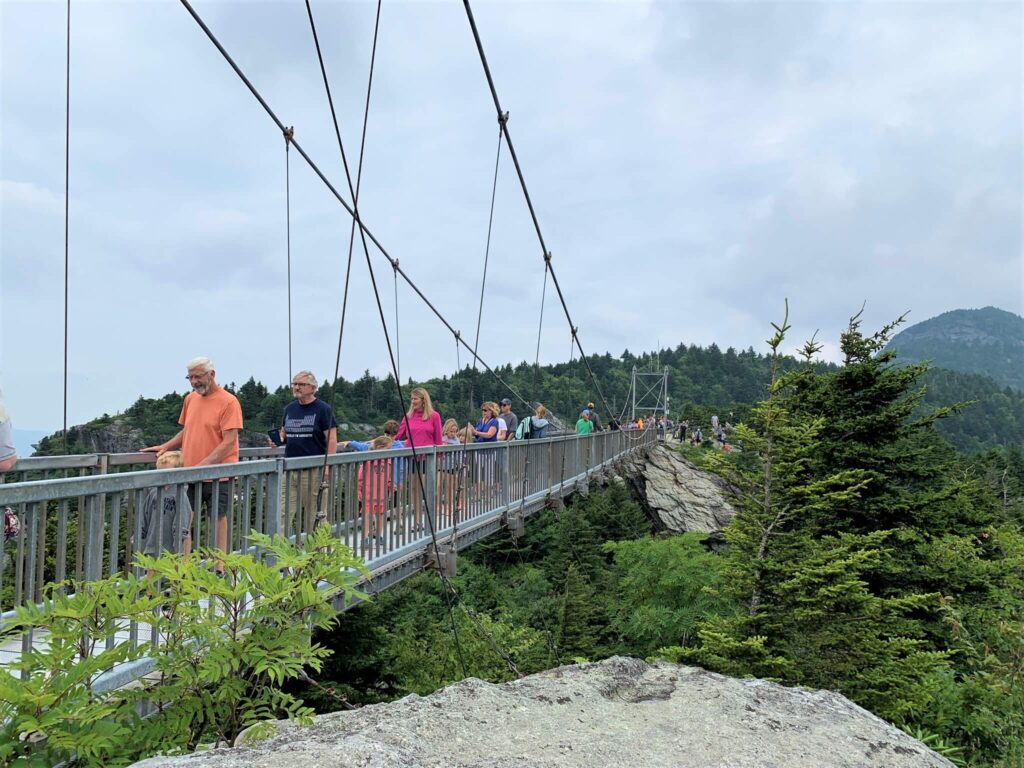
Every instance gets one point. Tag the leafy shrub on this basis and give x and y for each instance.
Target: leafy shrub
(227, 646)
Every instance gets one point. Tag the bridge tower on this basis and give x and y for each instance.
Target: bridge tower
(654, 398)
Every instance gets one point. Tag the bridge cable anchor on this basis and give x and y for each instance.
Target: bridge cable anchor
(442, 557)
(514, 521)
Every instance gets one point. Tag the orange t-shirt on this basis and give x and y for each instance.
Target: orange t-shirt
(204, 420)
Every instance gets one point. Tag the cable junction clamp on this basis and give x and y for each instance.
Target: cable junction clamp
(503, 119)
(289, 135)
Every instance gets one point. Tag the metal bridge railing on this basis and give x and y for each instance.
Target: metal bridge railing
(82, 518)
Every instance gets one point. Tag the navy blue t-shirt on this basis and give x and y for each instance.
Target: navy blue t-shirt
(304, 427)
(483, 426)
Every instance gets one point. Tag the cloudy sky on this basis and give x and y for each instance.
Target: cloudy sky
(692, 165)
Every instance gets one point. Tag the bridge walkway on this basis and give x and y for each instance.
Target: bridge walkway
(88, 526)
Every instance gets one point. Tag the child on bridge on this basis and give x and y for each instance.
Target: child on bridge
(375, 489)
(165, 523)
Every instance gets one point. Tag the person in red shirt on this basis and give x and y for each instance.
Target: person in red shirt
(211, 419)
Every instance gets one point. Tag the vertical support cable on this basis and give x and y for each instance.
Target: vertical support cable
(67, 198)
(490, 226)
(540, 324)
(288, 134)
(398, 341)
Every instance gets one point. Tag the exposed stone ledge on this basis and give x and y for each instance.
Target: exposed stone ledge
(616, 712)
(676, 495)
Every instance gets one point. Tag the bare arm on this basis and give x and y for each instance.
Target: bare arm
(218, 454)
(171, 445)
(8, 463)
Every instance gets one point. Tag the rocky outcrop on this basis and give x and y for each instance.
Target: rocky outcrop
(119, 436)
(616, 712)
(675, 494)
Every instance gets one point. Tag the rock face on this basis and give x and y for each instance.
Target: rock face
(616, 712)
(675, 493)
(117, 437)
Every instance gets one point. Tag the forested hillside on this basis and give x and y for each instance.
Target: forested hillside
(994, 417)
(702, 381)
(988, 342)
(866, 557)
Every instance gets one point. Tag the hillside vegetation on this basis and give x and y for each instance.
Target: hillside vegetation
(988, 342)
(702, 381)
(865, 557)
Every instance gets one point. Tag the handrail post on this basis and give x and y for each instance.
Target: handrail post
(275, 482)
(505, 474)
(431, 487)
(93, 548)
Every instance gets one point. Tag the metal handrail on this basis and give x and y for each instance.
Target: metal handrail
(88, 525)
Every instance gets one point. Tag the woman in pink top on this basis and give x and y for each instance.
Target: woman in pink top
(420, 428)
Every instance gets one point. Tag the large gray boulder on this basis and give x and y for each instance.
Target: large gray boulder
(616, 712)
(674, 493)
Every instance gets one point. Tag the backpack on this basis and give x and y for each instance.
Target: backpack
(523, 431)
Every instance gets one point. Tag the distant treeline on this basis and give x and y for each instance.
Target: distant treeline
(702, 381)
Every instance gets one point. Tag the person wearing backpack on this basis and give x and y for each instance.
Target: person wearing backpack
(540, 423)
(534, 427)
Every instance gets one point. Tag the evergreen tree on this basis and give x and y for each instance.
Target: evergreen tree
(807, 613)
(580, 617)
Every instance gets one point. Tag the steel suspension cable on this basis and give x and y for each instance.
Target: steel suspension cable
(353, 191)
(380, 311)
(67, 208)
(529, 203)
(355, 202)
(490, 226)
(365, 232)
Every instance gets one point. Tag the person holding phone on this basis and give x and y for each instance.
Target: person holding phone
(308, 428)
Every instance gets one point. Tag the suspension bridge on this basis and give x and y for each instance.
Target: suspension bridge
(81, 518)
(80, 514)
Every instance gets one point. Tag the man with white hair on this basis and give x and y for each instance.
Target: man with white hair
(211, 419)
(308, 429)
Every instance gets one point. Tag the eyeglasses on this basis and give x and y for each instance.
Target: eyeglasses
(194, 376)
(301, 384)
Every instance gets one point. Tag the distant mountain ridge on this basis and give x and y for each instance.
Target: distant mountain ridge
(988, 342)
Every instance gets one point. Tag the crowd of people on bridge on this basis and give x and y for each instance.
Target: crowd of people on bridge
(211, 423)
